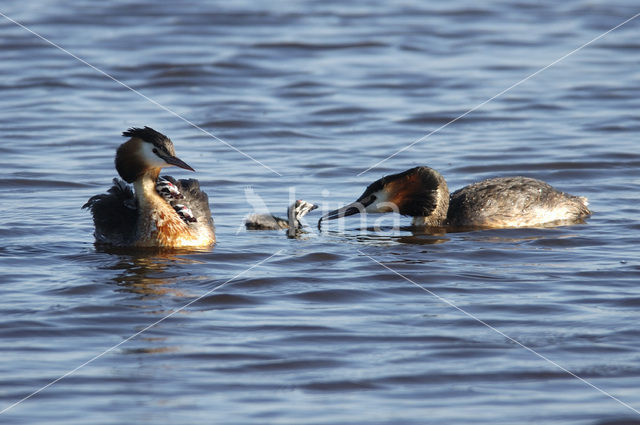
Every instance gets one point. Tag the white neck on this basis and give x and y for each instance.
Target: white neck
(145, 189)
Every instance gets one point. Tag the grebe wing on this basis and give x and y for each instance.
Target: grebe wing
(115, 214)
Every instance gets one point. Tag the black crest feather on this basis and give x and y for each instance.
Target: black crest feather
(147, 134)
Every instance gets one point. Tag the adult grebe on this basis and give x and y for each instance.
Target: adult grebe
(502, 202)
(295, 212)
(162, 212)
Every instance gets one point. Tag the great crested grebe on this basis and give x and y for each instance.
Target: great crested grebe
(295, 212)
(161, 212)
(501, 202)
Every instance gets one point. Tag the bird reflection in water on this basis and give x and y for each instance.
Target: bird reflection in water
(152, 272)
(151, 276)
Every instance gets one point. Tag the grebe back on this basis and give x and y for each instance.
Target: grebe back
(514, 202)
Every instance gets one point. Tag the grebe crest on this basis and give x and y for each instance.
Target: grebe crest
(502, 202)
(159, 212)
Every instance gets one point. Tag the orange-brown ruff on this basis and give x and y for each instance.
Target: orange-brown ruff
(143, 218)
(159, 224)
(502, 202)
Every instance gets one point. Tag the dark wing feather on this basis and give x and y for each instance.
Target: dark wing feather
(115, 214)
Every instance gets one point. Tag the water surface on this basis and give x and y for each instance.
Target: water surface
(320, 333)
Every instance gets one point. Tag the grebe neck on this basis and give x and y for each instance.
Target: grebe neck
(145, 190)
(293, 221)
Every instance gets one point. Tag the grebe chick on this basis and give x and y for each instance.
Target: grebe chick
(295, 212)
(501, 202)
(158, 212)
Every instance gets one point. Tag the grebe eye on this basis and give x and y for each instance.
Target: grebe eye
(154, 150)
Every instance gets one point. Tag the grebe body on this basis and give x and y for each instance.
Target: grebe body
(149, 216)
(513, 202)
(502, 202)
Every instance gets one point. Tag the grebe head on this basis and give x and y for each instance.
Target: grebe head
(146, 150)
(301, 208)
(295, 212)
(417, 192)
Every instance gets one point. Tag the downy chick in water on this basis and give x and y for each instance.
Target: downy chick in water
(295, 212)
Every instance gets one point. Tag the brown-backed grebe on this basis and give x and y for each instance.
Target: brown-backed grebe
(501, 202)
(295, 212)
(159, 212)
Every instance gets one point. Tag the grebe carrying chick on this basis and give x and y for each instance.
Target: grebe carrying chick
(159, 212)
(502, 202)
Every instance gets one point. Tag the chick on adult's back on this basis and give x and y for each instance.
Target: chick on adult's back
(151, 215)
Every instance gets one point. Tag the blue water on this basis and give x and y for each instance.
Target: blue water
(303, 98)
